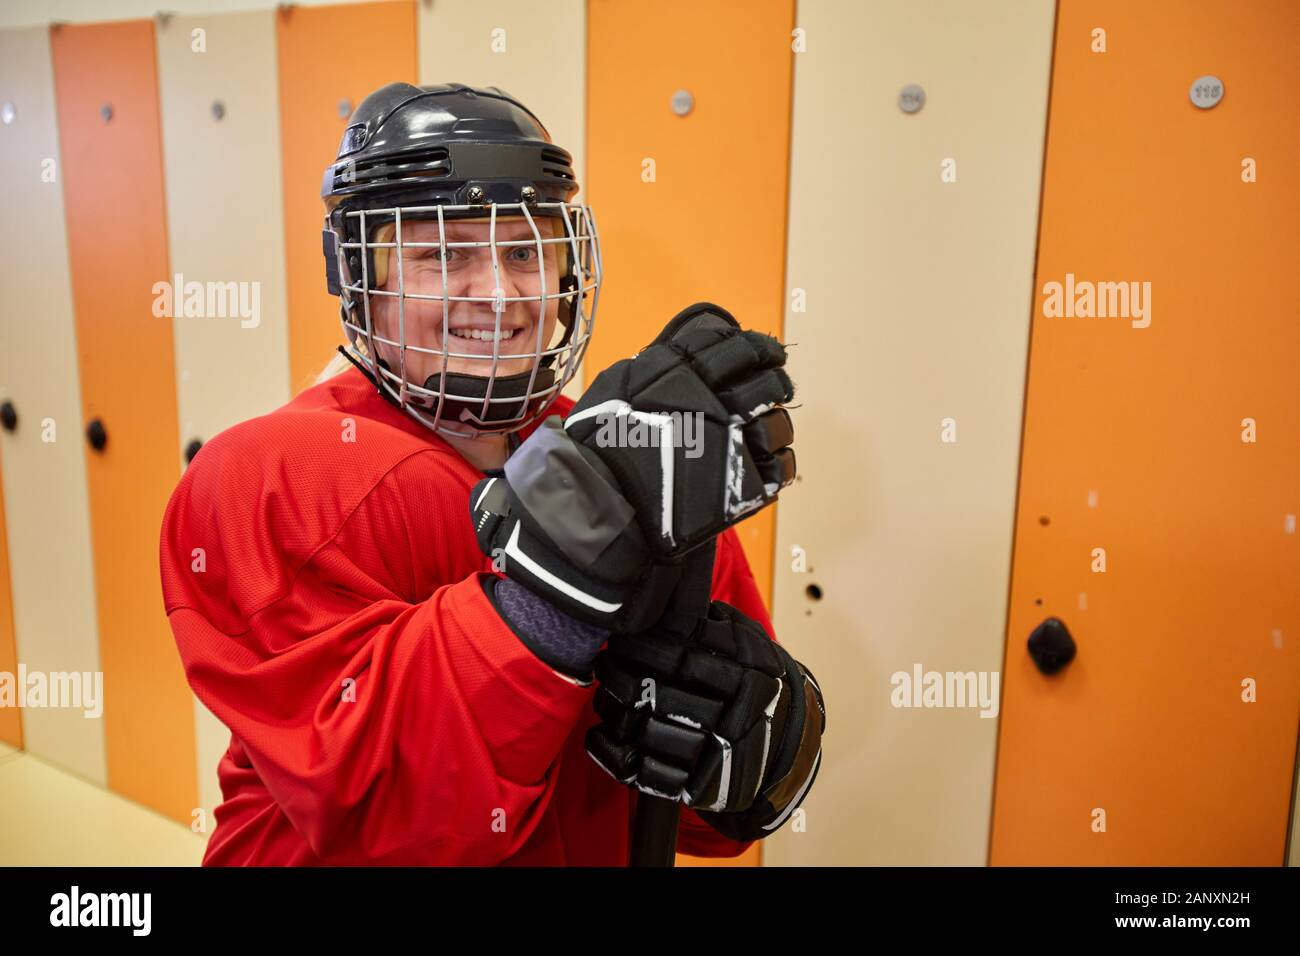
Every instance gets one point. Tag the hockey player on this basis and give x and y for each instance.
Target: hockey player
(395, 589)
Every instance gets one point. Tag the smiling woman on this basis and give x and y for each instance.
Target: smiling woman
(397, 691)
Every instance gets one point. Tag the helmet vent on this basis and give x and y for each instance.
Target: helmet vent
(433, 164)
(556, 162)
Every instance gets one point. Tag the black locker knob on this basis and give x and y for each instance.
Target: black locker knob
(96, 435)
(1051, 645)
(8, 416)
(192, 449)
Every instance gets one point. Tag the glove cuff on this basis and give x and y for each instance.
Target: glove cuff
(563, 643)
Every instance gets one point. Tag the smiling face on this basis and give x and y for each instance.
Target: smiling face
(471, 326)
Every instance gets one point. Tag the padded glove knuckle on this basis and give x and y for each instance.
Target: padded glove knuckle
(736, 718)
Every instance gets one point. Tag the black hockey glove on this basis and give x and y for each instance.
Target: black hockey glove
(724, 720)
(663, 452)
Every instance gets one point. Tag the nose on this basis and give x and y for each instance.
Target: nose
(483, 282)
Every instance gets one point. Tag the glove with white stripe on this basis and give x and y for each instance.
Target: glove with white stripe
(724, 720)
(664, 451)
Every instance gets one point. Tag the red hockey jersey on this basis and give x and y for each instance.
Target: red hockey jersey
(320, 574)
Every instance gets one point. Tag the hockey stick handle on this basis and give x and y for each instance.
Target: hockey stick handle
(654, 831)
(654, 834)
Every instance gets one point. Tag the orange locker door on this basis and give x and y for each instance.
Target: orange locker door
(11, 720)
(690, 201)
(690, 207)
(106, 87)
(1158, 495)
(330, 58)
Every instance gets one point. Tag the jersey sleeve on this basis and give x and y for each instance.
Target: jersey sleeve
(733, 582)
(387, 729)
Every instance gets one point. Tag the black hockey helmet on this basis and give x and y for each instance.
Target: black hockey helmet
(433, 156)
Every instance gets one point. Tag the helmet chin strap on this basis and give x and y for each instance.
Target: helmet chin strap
(473, 388)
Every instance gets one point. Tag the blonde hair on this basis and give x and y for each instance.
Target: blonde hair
(335, 366)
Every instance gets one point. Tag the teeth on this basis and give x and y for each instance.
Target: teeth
(484, 334)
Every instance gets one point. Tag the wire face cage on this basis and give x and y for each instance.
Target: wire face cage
(472, 318)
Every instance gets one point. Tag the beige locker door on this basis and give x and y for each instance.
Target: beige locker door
(221, 154)
(536, 52)
(916, 312)
(44, 462)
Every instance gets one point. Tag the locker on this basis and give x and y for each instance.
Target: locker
(221, 151)
(893, 552)
(1145, 521)
(329, 59)
(107, 101)
(53, 589)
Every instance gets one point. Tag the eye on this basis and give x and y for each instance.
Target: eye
(529, 253)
